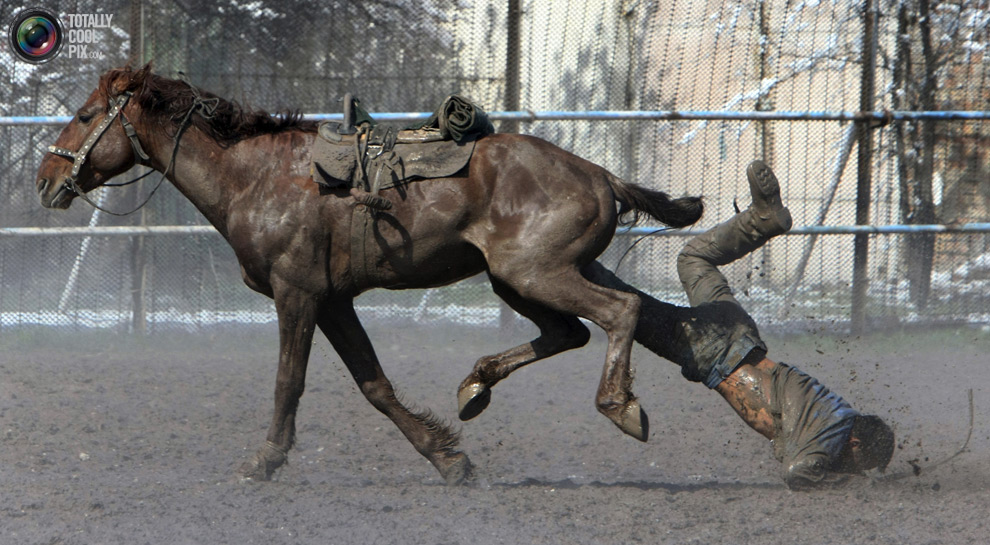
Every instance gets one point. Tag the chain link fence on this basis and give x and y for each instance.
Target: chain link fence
(680, 55)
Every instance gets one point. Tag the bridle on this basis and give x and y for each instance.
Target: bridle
(116, 109)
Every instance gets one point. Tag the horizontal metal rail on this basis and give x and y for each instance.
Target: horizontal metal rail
(623, 115)
(167, 230)
(108, 231)
(677, 115)
(829, 230)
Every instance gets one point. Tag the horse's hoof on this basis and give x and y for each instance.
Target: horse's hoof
(254, 470)
(633, 421)
(263, 464)
(460, 472)
(472, 400)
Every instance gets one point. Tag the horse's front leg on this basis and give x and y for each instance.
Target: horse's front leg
(296, 321)
(428, 434)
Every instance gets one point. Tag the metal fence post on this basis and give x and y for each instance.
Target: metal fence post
(513, 44)
(139, 260)
(861, 244)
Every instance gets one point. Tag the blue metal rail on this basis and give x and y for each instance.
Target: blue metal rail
(125, 230)
(628, 115)
(829, 230)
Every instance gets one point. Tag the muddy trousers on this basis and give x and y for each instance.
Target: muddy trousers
(713, 337)
(698, 262)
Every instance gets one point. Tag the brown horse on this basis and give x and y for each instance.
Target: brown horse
(525, 211)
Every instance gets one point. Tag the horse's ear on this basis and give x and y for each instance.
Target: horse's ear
(126, 79)
(138, 78)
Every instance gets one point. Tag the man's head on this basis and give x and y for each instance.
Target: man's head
(871, 443)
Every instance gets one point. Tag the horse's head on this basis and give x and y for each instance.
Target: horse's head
(98, 144)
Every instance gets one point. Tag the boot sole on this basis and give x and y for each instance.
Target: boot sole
(765, 190)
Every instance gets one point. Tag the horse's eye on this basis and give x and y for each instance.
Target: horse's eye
(85, 118)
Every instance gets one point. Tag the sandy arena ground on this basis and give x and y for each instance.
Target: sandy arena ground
(106, 439)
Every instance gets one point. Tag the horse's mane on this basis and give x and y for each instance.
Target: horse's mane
(170, 100)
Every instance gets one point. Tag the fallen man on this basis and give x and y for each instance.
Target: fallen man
(817, 436)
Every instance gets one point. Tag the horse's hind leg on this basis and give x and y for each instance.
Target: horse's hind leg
(558, 332)
(567, 291)
(429, 435)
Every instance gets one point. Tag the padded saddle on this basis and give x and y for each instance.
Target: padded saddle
(362, 155)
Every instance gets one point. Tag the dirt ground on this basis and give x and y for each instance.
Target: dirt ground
(107, 439)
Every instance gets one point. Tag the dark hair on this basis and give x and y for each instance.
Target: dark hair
(876, 441)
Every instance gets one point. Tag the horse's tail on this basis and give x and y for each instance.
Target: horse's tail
(635, 198)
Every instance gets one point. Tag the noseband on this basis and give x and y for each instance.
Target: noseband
(206, 109)
(116, 108)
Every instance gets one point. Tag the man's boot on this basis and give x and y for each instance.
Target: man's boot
(766, 218)
(772, 217)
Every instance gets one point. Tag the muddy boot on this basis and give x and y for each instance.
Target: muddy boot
(728, 241)
(771, 216)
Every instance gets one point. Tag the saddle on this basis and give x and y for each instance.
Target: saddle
(367, 157)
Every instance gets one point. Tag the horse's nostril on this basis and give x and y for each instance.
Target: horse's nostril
(42, 185)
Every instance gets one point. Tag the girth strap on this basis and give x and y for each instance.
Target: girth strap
(362, 257)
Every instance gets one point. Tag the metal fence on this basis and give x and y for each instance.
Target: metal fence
(787, 64)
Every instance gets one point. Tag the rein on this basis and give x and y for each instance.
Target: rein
(633, 245)
(206, 107)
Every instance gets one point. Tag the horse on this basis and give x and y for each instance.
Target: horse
(526, 212)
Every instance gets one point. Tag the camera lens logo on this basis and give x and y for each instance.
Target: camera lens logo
(36, 35)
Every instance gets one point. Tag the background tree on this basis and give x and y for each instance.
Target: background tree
(934, 40)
